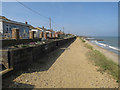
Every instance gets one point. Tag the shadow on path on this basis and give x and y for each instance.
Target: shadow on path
(42, 64)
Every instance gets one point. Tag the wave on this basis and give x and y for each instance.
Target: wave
(106, 46)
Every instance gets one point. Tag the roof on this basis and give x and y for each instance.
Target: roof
(44, 29)
(50, 30)
(4, 19)
(60, 32)
(38, 28)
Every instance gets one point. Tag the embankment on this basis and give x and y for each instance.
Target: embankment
(103, 59)
(107, 53)
(65, 67)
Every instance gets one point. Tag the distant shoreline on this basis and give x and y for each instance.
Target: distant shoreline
(107, 53)
(109, 43)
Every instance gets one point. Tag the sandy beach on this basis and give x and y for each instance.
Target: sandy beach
(66, 67)
(107, 53)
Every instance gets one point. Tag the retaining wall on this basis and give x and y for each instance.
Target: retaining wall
(10, 42)
(22, 57)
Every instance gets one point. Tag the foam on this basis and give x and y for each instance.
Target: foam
(105, 45)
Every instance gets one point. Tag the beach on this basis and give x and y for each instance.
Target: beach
(113, 56)
(66, 67)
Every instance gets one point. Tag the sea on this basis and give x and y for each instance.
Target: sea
(110, 43)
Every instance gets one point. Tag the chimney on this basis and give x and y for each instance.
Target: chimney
(26, 22)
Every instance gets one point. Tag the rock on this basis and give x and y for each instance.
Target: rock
(27, 80)
(16, 83)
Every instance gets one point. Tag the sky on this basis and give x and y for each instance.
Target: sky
(81, 18)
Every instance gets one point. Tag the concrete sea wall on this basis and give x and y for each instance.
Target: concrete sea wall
(21, 57)
(10, 42)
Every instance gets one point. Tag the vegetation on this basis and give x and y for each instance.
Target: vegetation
(15, 46)
(23, 46)
(82, 39)
(88, 46)
(104, 64)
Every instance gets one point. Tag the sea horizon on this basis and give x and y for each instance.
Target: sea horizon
(110, 43)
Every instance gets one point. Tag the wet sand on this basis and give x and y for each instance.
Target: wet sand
(66, 67)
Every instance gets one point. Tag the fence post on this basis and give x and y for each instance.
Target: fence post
(31, 35)
(15, 33)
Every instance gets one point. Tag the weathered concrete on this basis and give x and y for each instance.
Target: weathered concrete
(22, 57)
(4, 58)
(11, 42)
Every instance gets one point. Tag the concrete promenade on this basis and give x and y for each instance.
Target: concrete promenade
(66, 67)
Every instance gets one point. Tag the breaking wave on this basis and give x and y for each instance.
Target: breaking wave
(106, 46)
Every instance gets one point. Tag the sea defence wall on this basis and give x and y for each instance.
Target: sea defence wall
(10, 42)
(21, 57)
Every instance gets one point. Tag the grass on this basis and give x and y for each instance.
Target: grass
(88, 46)
(23, 46)
(82, 39)
(104, 64)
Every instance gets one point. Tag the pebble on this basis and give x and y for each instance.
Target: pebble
(47, 83)
(27, 80)
(16, 83)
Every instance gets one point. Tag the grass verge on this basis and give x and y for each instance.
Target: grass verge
(82, 39)
(88, 46)
(104, 64)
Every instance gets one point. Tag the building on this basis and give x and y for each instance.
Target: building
(48, 31)
(6, 26)
(36, 33)
(51, 32)
(60, 34)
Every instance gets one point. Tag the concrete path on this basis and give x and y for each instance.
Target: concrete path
(67, 67)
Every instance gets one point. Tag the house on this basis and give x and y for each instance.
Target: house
(6, 26)
(60, 34)
(49, 32)
(36, 33)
